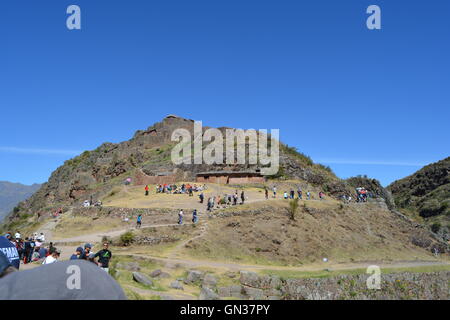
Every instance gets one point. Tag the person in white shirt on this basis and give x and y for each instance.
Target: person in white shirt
(17, 235)
(52, 258)
(41, 238)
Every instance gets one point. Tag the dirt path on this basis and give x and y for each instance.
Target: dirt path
(176, 251)
(192, 263)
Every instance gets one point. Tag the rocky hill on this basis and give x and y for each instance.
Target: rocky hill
(374, 187)
(94, 173)
(12, 193)
(426, 193)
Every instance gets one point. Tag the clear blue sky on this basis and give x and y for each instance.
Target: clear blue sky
(364, 102)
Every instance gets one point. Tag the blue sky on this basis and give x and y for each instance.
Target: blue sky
(361, 101)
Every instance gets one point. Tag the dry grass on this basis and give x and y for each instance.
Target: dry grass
(354, 233)
(133, 197)
(70, 226)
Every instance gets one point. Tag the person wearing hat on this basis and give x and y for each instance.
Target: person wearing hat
(77, 254)
(86, 252)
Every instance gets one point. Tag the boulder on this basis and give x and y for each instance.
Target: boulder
(230, 291)
(142, 278)
(270, 282)
(155, 273)
(193, 276)
(250, 279)
(176, 285)
(209, 281)
(253, 293)
(159, 274)
(208, 294)
(224, 292)
(236, 291)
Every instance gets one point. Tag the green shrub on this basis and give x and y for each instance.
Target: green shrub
(127, 238)
(293, 208)
(430, 208)
(435, 227)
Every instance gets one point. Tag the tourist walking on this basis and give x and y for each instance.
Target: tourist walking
(194, 216)
(180, 217)
(139, 221)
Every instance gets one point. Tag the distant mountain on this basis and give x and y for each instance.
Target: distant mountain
(12, 193)
(426, 192)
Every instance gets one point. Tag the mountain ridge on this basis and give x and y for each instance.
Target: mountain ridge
(11, 193)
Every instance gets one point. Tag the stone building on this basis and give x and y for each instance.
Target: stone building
(230, 177)
(160, 178)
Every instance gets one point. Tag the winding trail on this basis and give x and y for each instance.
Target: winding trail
(97, 237)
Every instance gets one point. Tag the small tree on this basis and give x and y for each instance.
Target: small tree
(293, 208)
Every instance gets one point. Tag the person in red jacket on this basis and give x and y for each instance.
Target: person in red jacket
(146, 190)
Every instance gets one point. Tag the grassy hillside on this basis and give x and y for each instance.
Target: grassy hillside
(426, 194)
(263, 233)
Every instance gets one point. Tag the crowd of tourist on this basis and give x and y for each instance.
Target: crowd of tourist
(291, 194)
(31, 248)
(174, 189)
(104, 255)
(226, 199)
